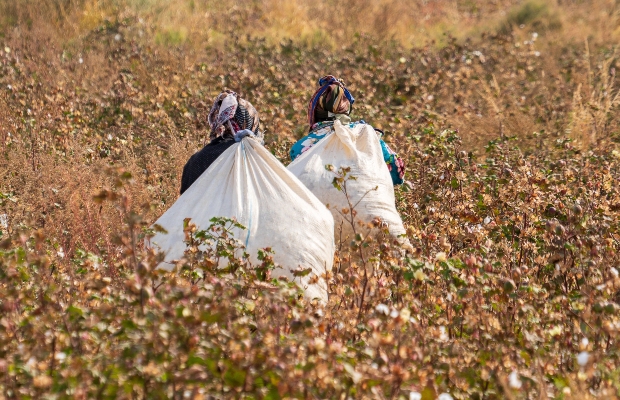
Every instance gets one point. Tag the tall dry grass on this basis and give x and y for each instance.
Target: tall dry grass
(595, 101)
(75, 110)
(326, 23)
(97, 94)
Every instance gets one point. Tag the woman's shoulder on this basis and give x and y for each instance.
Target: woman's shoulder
(320, 129)
(352, 124)
(362, 122)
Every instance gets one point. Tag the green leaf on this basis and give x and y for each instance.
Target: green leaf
(74, 312)
(336, 184)
(128, 324)
(234, 377)
(454, 183)
(428, 393)
(301, 272)
(273, 394)
(526, 357)
(584, 327)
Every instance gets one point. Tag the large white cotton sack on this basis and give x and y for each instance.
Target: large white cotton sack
(356, 146)
(249, 184)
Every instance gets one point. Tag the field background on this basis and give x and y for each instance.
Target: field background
(129, 83)
(102, 102)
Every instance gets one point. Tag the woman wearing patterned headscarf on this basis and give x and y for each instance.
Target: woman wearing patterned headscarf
(332, 101)
(230, 119)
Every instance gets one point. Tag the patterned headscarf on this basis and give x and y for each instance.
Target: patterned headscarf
(331, 97)
(231, 114)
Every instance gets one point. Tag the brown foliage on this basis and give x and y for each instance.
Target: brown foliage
(514, 219)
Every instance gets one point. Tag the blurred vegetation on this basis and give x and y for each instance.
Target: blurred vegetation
(537, 15)
(325, 23)
(507, 113)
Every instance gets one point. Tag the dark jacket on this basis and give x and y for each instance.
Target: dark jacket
(199, 162)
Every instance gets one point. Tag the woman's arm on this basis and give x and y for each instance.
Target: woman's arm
(395, 164)
(185, 180)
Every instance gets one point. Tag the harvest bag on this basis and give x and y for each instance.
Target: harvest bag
(355, 146)
(249, 184)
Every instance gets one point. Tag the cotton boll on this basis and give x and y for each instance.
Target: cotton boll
(355, 376)
(382, 309)
(441, 256)
(415, 396)
(445, 396)
(319, 344)
(32, 362)
(419, 275)
(443, 335)
(582, 358)
(514, 381)
(556, 330)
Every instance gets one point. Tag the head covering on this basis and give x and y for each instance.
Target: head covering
(231, 114)
(332, 97)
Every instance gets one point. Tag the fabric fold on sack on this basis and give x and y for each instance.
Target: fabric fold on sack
(243, 133)
(321, 130)
(358, 147)
(248, 183)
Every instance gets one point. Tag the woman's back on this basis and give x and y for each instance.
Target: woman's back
(322, 129)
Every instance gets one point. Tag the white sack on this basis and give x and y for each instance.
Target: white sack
(357, 147)
(248, 183)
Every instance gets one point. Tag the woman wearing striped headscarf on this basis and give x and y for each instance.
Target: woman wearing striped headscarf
(332, 101)
(231, 118)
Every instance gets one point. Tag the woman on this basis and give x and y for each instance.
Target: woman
(332, 101)
(230, 118)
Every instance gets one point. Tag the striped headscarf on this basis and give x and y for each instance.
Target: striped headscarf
(332, 97)
(231, 114)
